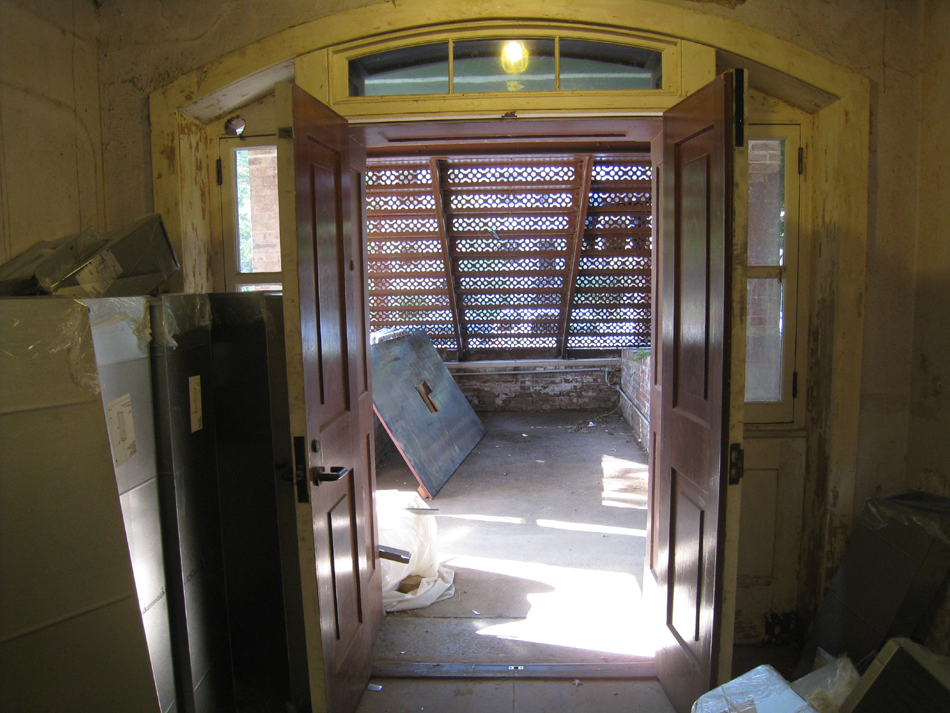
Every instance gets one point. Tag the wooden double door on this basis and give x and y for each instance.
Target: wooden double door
(698, 387)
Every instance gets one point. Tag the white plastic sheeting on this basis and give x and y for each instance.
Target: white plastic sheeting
(406, 530)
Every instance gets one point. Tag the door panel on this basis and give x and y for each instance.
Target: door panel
(697, 261)
(330, 393)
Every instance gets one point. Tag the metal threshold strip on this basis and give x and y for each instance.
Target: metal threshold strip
(629, 670)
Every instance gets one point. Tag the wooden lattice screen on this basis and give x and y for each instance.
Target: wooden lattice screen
(512, 256)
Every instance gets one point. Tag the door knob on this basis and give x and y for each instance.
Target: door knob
(320, 474)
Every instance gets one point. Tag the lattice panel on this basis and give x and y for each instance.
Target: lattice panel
(505, 266)
(491, 315)
(397, 226)
(425, 326)
(511, 223)
(523, 299)
(444, 343)
(625, 262)
(604, 172)
(392, 301)
(400, 202)
(482, 245)
(633, 341)
(501, 342)
(610, 281)
(511, 282)
(533, 328)
(378, 267)
(397, 177)
(398, 247)
(617, 328)
(617, 221)
(614, 243)
(597, 315)
(620, 199)
(612, 299)
(418, 316)
(407, 284)
(516, 174)
(510, 201)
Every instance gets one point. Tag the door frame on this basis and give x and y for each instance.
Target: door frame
(185, 115)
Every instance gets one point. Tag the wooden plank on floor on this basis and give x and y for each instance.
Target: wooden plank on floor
(629, 670)
(427, 416)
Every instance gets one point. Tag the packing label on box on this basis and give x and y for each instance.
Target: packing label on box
(194, 398)
(99, 274)
(121, 429)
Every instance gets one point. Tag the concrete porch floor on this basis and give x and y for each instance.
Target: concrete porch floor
(544, 525)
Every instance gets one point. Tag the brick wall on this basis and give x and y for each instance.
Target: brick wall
(635, 385)
(537, 386)
(262, 173)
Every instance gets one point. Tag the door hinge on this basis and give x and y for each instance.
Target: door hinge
(801, 160)
(794, 384)
(736, 463)
(220, 172)
(285, 132)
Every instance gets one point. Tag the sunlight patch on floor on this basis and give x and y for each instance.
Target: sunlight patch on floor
(588, 609)
(625, 483)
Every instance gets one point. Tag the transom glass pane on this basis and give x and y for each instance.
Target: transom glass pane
(763, 376)
(767, 202)
(600, 66)
(504, 66)
(258, 221)
(423, 69)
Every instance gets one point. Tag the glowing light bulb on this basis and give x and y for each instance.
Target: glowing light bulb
(514, 57)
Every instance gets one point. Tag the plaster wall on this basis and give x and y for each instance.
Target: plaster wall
(50, 136)
(929, 442)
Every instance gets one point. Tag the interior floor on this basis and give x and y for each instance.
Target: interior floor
(544, 525)
(508, 696)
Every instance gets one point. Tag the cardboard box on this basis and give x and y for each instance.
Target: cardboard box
(904, 678)
(134, 260)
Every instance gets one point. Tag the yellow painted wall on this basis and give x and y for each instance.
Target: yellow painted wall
(929, 452)
(50, 138)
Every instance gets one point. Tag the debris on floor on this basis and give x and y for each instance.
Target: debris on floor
(421, 407)
(422, 581)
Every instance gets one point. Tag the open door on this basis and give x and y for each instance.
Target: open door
(702, 353)
(331, 405)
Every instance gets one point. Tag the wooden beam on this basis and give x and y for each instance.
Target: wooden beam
(574, 250)
(447, 251)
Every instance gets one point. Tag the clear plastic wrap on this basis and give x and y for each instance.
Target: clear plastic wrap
(52, 331)
(826, 688)
(423, 581)
(761, 690)
(181, 314)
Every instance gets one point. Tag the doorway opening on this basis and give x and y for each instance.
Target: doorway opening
(534, 287)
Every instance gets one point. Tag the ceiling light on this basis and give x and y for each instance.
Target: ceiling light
(514, 57)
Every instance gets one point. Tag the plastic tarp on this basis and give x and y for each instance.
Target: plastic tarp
(423, 581)
(761, 690)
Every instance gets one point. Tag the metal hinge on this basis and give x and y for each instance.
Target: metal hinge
(801, 160)
(794, 384)
(220, 170)
(736, 463)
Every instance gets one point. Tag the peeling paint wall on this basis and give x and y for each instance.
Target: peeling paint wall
(50, 134)
(929, 452)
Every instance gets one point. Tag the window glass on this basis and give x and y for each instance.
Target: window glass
(258, 246)
(423, 69)
(260, 287)
(767, 202)
(764, 344)
(600, 66)
(511, 65)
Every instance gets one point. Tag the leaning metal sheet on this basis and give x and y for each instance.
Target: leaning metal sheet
(422, 408)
